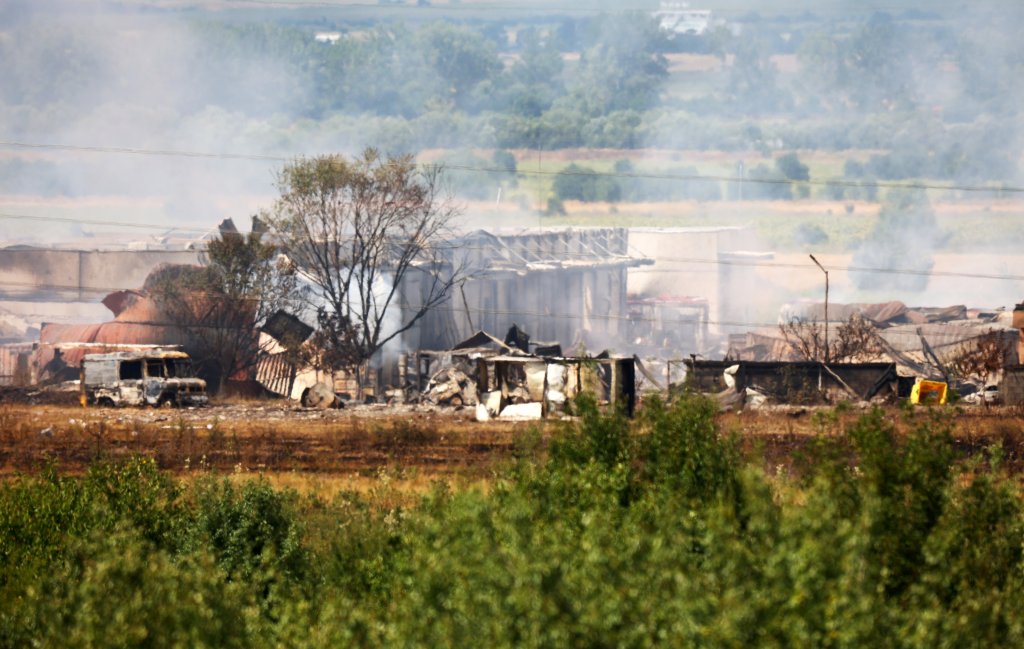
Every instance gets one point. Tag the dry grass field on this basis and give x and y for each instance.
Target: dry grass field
(410, 447)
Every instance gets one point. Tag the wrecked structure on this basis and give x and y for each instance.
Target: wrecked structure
(710, 264)
(512, 378)
(883, 349)
(669, 326)
(567, 285)
(66, 285)
(807, 382)
(504, 379)
(925, 342)
(153, 377)
(1011, 390)
(138, 324)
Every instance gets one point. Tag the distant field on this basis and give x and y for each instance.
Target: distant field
(971, 223)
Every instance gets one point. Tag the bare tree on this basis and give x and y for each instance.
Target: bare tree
(369, 234)
(856, 340)
(981, 357)
(221, 306)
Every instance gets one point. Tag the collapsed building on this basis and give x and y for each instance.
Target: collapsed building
(504, 378)
(968, 347)
(568, 285)
(796, 382)
(713, 264)
(584, 288)
(138, 324)
(1012, 387)
(47, 294)
(66, 285)
(924, 341)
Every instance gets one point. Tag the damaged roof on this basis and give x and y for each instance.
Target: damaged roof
(882, 314)
(566, 249)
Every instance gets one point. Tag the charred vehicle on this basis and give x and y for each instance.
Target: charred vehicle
(153, 377)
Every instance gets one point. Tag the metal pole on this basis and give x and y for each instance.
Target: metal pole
(826, 304)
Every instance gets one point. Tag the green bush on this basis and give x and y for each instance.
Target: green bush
(651, 531)
(117, 590)
(580, 183)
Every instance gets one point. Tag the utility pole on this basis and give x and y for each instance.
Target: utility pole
(826, 305)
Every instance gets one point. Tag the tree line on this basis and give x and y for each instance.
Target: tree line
(938, 93)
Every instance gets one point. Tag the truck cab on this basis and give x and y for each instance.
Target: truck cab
(152, 377)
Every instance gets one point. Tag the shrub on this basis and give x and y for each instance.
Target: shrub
(583, 184)
(250, 530)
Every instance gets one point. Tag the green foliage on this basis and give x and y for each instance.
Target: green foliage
(578, 183)
(810, 234)
(250, 530)
(790, 166)
(464, 178)
(117, 590)
(865, 82)
(682, 449)
(602, 439)
(623, 69)
(773, 184)
(644, 532)
(40, 516)
(554, 207)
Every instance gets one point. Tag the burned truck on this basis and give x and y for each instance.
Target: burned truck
(153, 377)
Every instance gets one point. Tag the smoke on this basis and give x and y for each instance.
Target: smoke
(915, 95)
(99, 75)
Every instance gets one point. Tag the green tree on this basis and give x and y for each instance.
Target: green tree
(770, 184)
(789, 165)
(753, 79)
(624, 68)
(579, 183)
(460, 57)
(506, 162)
(871, 69)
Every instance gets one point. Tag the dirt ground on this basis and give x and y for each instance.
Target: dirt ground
(274, 438)
(254, 437)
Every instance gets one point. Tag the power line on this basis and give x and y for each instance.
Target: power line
(569, 254)
(124, 224)
(1009, 189)
(305, 302)
(726, 7)
(450, 7)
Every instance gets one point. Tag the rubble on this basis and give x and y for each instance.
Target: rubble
(752, 384)
(451, 386)
(320, 396)
(487, 371)
(522, 411)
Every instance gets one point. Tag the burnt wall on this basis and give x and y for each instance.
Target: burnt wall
(796, 382)
(1012, 388)
(54, 275)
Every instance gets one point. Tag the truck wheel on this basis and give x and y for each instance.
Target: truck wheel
(167, 401)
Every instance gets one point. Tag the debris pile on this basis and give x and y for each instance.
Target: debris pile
(509, 380)
(451, 386)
